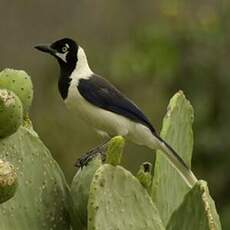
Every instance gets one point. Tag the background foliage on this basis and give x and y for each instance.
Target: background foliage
(149, 49)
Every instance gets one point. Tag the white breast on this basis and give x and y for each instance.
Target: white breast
(98, 118)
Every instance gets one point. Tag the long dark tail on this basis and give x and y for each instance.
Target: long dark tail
(177, 162)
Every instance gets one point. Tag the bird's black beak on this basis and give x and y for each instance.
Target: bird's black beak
(46, 49)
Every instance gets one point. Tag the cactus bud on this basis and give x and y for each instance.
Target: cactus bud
(144, 175)
(115, 150)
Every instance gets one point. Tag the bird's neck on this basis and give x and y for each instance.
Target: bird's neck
(80, 70)
(64, 82)
(66, 69)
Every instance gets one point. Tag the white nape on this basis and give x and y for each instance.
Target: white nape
(82, 69)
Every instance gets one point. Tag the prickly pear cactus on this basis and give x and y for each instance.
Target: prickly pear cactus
(197, 211)
(168, 187)
(179, 207)
(80, 193)
(20, 83)
(11, 113)
(118, 201)
(41, 200)
(115, 199)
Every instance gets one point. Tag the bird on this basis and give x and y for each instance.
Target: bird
(103, 107)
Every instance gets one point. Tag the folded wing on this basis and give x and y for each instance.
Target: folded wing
(99, 92)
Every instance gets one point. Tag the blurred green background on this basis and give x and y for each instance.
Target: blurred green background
(148, 49)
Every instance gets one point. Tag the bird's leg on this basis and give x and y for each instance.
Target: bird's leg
(88, 156)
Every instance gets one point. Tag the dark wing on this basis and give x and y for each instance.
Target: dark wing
(103, 94)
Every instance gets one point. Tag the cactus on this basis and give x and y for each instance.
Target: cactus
(34, 194)
(11, 114)
(117, 200)
(168, 188)
(20, 83)
(144, 175)
(196, 212)
(41, 200)
(180, 208)
(80, 193)
(98, 192)
(115, 149)
(8, 181)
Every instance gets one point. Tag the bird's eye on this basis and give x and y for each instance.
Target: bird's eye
(64, 49)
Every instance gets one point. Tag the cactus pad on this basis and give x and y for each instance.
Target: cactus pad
(11, 114)
(168, 188)
(41, 200)
(196, 212)
(118, 201)
(20, 83)
(80, 193)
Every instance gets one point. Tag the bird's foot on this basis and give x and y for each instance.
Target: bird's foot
(91, 154)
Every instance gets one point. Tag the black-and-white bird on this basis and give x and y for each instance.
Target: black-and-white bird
(103, 106)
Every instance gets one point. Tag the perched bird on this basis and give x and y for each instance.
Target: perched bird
(96, 101)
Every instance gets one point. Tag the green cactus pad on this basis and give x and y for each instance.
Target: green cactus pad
(118, 201)
(8, 181)
(20, 83)
(168, 188)
(41, 200)
(196, 212)
(11, 114)
(80, 193)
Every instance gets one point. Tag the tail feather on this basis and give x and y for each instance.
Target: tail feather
(177, 162)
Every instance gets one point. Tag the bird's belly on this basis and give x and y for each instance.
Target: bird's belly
(98, 118)
(109, 122)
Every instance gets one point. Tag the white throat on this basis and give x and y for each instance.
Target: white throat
(82, 69)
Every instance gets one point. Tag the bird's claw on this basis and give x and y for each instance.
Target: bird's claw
(91, 154)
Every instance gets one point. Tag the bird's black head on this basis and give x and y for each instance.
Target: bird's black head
(65, 51)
